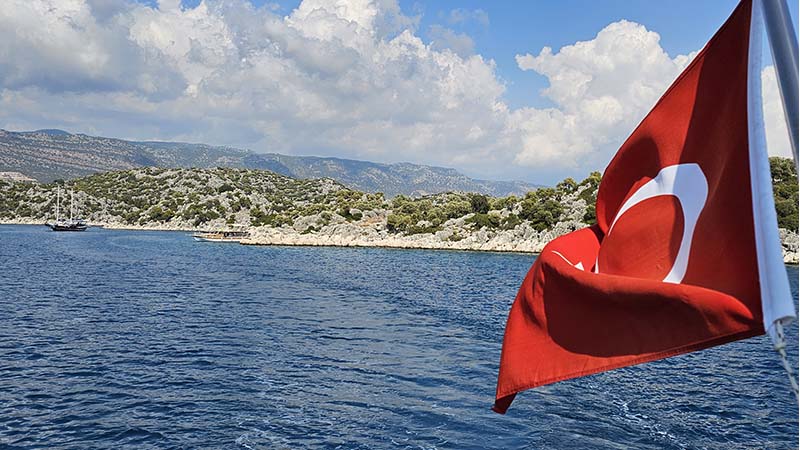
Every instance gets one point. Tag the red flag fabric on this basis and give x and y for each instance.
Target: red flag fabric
(685, 253)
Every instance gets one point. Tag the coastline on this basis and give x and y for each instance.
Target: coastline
(110, 225)
(522, 240)
(287, 236)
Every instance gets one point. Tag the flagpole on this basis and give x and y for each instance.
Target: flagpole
(783, 43)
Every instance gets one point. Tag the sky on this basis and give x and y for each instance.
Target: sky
(534, 91)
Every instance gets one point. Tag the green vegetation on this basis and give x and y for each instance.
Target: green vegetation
(216, 197)
(188, 197)
(542, 208)
(589, 195)
(784, 188)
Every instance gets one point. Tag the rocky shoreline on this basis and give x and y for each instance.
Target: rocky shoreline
(522, 239)
(372, 233)
(279, 210)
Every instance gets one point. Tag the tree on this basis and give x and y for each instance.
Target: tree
(457, 208)
(784, 189)
(397, 222)
(782, 170)
(592, 183)
(156, 214)
(546, 215)
(590, 216)
(479, 203)
(567, 186)
(503, 202)
(481, 220)
(541, 208)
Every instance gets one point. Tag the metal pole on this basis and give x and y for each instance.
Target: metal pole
(783, 43)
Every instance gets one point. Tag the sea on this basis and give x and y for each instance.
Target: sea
(136, 339)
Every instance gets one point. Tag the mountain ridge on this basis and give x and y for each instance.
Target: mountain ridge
(50, 154)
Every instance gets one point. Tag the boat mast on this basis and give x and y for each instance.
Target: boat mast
(58, 204)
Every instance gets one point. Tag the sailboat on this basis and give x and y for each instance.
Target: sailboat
(72, 224)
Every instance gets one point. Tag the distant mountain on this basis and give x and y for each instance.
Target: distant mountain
(53, 132)
(51, 154)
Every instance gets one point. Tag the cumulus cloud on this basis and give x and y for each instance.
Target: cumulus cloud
(63, 46)
(778, 143)
(601, 88)
(461, 15)
(350, 78)
(345, 77)
(446, 39)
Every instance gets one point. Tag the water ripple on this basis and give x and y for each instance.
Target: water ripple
(115, 339)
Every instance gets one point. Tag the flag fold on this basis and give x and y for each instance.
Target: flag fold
(684, 255)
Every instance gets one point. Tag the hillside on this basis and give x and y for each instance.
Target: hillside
(190, 198)
(47, 155)
(283, 210)
(179, 198)
(265, 201)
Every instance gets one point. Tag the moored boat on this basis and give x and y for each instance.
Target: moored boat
(68, 225)
(71, 224)
(235, 235)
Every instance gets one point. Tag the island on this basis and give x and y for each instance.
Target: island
(281, 210)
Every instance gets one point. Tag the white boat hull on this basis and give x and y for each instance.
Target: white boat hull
(216, 239)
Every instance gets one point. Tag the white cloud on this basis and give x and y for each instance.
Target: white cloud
(601, 88)
(347, 77)
(461, 15)
(778, 143)
(446, 39)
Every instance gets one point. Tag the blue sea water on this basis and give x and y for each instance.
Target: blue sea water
(120, 339)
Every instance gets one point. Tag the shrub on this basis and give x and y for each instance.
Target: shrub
(528, 205)
(345, 212)
(457, 208)
(567, 186)
(257, 216)
(24, 211)
(422, 229)
(455, 237)
(590, 216)
(503, 202)
(156, 214)
(592, 183)
(784, 189)
(481, 220)
(131, 216)
(398, 222)
(479, 204)
(510, 222)
(205, 216)
(543, 213)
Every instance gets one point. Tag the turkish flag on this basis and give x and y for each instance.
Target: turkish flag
(685, 254)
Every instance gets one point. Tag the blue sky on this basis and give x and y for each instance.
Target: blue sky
(518, 27)
(462, 84)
